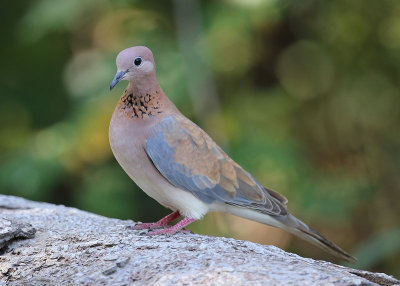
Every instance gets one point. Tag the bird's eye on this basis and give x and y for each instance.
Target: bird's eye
(137, 61)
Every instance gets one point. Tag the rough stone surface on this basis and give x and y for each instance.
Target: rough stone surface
(73, 247)
(14, 229)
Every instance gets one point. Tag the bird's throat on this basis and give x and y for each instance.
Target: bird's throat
(141, 105)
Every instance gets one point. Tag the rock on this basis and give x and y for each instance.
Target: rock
(73, 247)
(110, 270)
(123, 262)
(11, 229)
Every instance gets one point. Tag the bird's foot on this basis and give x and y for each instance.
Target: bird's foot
(173, 229)
(159, 224)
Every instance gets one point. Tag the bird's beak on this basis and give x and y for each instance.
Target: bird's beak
(118, 76)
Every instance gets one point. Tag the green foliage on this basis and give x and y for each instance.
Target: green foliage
(303, 94)
(379, 248)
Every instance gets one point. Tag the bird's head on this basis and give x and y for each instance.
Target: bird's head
(135, 64)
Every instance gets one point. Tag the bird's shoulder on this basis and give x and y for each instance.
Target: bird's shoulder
(192, 147)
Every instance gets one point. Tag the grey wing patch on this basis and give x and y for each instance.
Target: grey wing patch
(247, 191)
(162, 156)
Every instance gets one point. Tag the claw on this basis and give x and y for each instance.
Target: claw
(166, 231)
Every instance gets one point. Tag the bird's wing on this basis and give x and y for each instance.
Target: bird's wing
(189, 159)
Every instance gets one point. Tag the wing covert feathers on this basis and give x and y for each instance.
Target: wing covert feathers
(189, 159)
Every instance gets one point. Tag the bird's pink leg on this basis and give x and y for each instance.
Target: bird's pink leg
(173, 229)
(162, 222)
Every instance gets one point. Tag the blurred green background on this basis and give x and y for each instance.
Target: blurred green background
(304, 94)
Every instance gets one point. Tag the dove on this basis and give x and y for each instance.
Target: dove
(177, 164)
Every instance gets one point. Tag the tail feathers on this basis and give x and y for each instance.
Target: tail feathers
(300, 229)
(293, 225)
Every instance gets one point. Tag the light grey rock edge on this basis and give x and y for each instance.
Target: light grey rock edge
(45, 244)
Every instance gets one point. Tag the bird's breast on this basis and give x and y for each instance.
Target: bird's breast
(128, 140)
